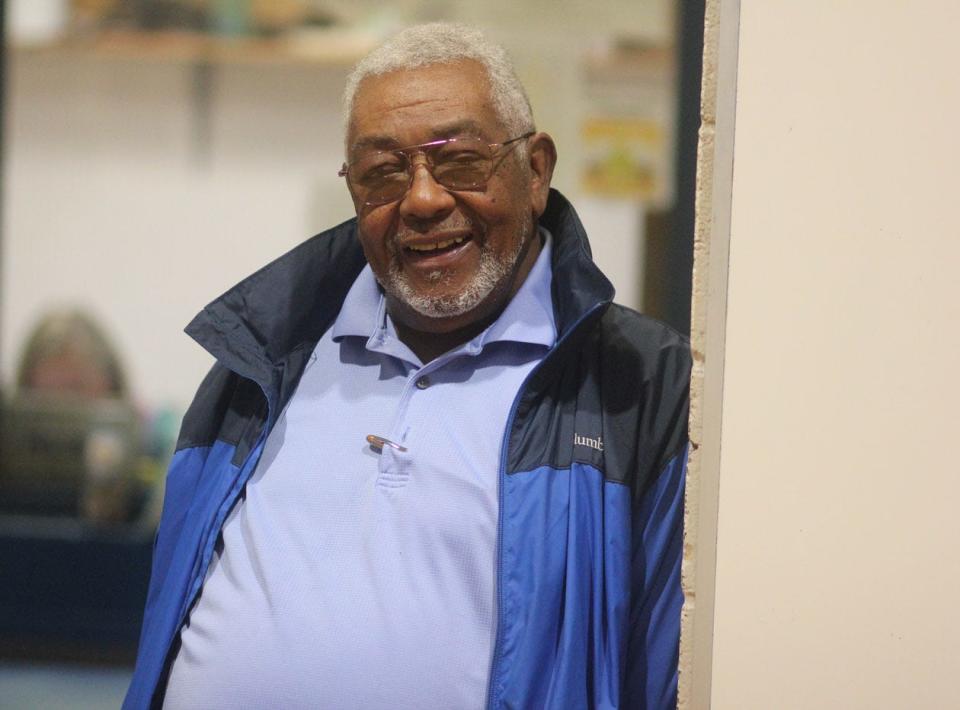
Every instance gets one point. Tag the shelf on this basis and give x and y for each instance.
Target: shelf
(304, 47)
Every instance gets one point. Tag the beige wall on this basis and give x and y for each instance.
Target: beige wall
(838, 533)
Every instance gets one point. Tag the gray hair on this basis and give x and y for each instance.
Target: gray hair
(443, 43)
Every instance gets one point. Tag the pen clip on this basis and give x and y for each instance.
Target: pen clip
(378, 442)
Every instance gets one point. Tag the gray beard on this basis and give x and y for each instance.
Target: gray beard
(492, 271)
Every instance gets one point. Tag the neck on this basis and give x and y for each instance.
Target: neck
(430, 346)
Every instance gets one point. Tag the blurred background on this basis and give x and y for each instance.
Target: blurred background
(155, 152)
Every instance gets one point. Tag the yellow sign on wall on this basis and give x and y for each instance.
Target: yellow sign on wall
(626, 128)
(622, 157)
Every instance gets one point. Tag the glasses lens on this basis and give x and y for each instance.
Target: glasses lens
(456, 164)
(462, 164)
(380, 177)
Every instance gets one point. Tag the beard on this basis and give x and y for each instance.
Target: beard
(492, 271)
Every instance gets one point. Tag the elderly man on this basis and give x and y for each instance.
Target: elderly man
(434, 466)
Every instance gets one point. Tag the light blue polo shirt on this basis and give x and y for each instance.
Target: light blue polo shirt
(354, 578)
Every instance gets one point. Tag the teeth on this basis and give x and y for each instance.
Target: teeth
(436, 245)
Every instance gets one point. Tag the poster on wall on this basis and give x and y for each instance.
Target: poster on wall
(626, 129)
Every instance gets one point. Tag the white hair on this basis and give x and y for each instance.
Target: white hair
(443, 43)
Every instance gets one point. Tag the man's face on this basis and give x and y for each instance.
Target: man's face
(446, 260)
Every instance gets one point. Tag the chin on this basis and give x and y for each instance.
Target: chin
(455, 301)
(447, 306)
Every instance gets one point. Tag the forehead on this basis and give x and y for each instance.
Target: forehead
(414, 106)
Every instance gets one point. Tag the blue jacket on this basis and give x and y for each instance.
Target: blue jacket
(591, 477)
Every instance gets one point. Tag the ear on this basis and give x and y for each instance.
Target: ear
(543, 156)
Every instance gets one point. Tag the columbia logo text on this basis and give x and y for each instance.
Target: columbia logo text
(593, 443)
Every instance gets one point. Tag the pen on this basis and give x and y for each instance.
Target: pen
(378, 442)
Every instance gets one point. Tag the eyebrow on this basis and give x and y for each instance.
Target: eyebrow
(451, 130)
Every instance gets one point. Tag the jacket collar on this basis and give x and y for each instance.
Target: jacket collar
(273, 319)
(578, 284)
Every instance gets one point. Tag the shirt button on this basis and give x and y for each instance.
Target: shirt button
(423, 383)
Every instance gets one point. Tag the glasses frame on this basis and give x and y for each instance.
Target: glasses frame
(410, 152)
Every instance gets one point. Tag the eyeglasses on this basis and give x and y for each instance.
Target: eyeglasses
(457, 164)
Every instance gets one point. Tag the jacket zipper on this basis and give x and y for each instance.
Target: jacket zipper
(501, 481)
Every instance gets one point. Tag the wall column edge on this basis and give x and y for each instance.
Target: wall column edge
(708, 336)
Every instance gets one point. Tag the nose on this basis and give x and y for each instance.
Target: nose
(426, 199)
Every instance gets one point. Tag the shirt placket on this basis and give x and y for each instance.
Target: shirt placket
(396, 462)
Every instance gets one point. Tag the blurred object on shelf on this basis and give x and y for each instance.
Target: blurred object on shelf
(274, 17)
(211, 32)
(88, 16)
(231, 18)
(37, 21)
(71, 437)
(226, 18)
(92, 16)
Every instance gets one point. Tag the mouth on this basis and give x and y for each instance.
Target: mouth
(435, 253)
(436, 246)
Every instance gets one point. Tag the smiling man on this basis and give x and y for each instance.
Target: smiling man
(434, 466)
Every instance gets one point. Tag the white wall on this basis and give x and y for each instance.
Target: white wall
(838, 565)
(110, 204)
(107, 205)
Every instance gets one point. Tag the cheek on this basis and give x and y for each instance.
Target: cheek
(510, 217)
(374, 230)
(510, 205)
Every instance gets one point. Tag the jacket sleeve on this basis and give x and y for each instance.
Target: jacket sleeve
(656, 597)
